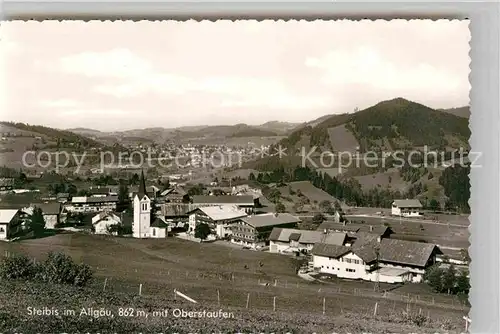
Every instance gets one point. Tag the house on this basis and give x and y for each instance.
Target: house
(103, 220)
(142, 227)
(86, 204)
(153, 191)
(159, 228)
(176, 214)
(286, 240)
(62, 197)
(406, 208)
(99, 191)
(218, 218)
(51, 213)
(175, 195)
(10, 223)
(354, 228)
(383, 260)
(254, 231)
(246, 203)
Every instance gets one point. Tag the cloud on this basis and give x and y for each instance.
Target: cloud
(60, 103)
(117, 63)
(94, 112)
(367, 66)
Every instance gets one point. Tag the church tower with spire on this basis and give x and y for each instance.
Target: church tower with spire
(142, 211)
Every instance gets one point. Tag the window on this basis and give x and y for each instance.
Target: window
(1, 229)
(154, 232)
(350, 270)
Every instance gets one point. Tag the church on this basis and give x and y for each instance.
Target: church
(142, 227)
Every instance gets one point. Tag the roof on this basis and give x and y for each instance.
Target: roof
(50, 208)
(177, 191)
(158, 222)
(355, 227)
(406, 252)
(389, 271)
(6, 215)
(176, 209)
(101, 215)
(142, 186)
(224, 199)
(270, 219)
(99, 191)
(328, 250)
(84, 199)
(407, 203)
(307, 237)
(222, 212)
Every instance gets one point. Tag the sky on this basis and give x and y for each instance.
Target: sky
(123, 75)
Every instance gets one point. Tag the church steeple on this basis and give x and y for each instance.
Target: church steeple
(142, 186)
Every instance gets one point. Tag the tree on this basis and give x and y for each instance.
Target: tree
(37, 223)
(337, 206)
(434, 205)
(280, 207)
(325, 206)
(154, 208)
(449, 279)
(195, 190)
(318, 218)
(202, 231)
(434, 277)
(274, 195)
(464, 252)
(123, 198)
(463, 283)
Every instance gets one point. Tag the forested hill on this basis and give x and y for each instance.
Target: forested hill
(389, 125)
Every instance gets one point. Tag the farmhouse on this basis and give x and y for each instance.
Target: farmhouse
(254, 231)
(175, 195)
(51, 213)
(406, 208)
(285, 240)
(103, 221)
(355, 228)
(100, 191)
(246, 203)
(62, 197)
(86, 204)
(10, 223)
(153, 191)
(175, 213)
(218, 218)
(385, 260)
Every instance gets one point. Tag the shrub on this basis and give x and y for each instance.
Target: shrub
(60, 268)
(17, 267)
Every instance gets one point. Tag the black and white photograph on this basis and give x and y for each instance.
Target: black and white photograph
(235, 176)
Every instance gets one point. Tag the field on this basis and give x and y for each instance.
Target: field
(216, 277)
(342, 140)
(315, 195)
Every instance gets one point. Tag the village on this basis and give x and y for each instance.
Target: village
(337, 245)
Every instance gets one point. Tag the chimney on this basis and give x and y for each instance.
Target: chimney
(379, 238)
(371, 228)
(325, 231)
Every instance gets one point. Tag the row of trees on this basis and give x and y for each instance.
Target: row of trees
(448, 280)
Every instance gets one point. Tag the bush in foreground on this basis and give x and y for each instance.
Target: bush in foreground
(57, 268)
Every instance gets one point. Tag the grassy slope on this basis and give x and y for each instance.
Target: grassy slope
(161, 266)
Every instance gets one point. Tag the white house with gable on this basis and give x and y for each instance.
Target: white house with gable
(102, 221)
(406, 208)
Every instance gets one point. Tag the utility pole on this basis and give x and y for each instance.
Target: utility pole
(377, 276)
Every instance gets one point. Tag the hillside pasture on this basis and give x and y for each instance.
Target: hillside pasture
(342, 140)
(312, 193)
(205, 272)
